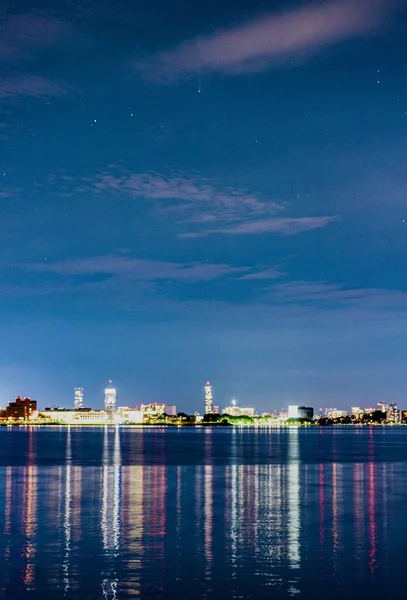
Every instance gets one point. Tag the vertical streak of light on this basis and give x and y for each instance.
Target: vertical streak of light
(67, 513)
(276, 495)
(110, 511)
(116, 491)
(30, 514)
(104, 500)
(7, 507)
(208, 520)
(233, 515)
(208, 500)
(7, 527)
(131, 527)
(372, 523)
(293, 500)
(256, 508)
(77, 502)
(358, 511)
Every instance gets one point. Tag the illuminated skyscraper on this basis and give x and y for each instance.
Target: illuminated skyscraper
(110, 400)
(78, 400)
(208, 398)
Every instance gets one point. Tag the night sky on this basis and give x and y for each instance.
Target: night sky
(204, 190)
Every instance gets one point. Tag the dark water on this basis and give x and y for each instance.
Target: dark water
(203, 513)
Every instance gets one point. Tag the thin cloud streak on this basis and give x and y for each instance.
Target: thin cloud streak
(137, 269)
(284, 226)
(317, 293)
(269, 39)
(30, 85)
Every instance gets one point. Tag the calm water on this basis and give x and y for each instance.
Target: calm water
(203, 513)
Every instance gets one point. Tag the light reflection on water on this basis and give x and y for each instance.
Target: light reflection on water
(209, 530)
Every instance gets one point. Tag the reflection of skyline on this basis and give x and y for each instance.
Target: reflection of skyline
(156, 522)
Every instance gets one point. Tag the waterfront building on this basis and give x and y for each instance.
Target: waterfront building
(208, 398)
(334, 413)
(78, 398)
(238, 411)
(152, 410)
(129, 415)
(300, 412)
(110, 401)
(171, 410)
(69, 416)
(306, 412)
(293, 411)
(215, 410)
(393, 414)
(21, 410)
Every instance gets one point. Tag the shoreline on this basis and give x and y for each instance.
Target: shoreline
(201, 425)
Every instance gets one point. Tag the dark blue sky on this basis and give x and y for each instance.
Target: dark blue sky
(204, 190)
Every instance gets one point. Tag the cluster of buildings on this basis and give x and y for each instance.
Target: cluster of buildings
(393, 414)
(23, 410)
(233, 411)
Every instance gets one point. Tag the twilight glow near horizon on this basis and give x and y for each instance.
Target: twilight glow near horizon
(198, 191)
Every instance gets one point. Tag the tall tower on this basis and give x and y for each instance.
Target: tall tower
(78, 399)
(110, 400)
(208, 398)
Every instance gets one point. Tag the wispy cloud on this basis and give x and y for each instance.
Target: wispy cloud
(22, 37)
(199, 202)
(137, 269)
(317, 293)
(20, 34)
(262, 275)
(269, 39)
(186, 193)
(284, 226)
(30, 85)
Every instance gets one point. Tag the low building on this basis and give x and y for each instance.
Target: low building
(153, 410)
(130, 415)
(334, 413)
(69, 416)
(21, 409)
(238, 411)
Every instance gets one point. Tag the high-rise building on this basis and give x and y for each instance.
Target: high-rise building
(78, 399)
(208, 398)
(110, 400)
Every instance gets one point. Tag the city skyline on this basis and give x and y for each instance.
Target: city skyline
(222, 197)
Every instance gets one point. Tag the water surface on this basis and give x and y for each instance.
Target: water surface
(202, 512)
